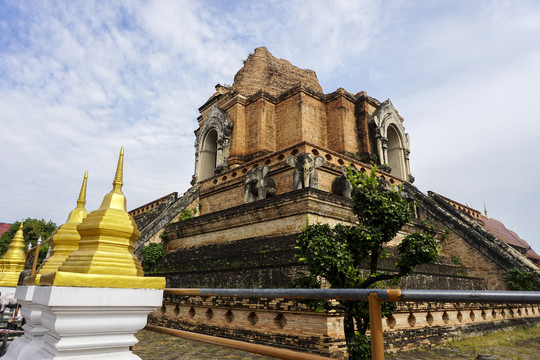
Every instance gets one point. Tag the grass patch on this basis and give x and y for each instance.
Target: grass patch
(520, 343)
(504, 341)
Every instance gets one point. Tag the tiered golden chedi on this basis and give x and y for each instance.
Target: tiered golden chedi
(65, 239)
(12, 263)
(105, 256)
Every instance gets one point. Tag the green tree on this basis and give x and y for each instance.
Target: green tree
(348, 256)
(32, 230)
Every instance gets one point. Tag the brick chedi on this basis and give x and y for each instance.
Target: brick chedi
(269, 153)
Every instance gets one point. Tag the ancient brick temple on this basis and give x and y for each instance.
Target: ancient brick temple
(269, 153)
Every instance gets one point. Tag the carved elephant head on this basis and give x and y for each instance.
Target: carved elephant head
(341, 184)
(305, 173)
(257, 185)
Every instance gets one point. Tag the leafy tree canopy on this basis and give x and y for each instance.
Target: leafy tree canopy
(32, 230)
(348, 256)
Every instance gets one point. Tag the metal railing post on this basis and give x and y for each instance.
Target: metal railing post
(375, 326)
(36, 255)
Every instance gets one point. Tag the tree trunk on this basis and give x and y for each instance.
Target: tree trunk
(348, 324)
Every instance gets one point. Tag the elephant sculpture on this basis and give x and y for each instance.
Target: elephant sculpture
(305, 173)
(257, 185)
(341, 184)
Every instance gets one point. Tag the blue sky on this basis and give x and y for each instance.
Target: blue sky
(79, 79)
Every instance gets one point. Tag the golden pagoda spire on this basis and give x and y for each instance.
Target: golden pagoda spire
(12, 263)
(105, 256)
(81, 201)
(115, 199)
(65, 239)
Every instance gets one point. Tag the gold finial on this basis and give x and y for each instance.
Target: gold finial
(81, 201)
(65, 239)
(105, 256)
(115, 199)
(12, 263)
(117, 183)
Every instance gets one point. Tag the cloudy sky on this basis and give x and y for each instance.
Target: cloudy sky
(80, 79)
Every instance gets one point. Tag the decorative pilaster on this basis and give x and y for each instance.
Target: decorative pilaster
(384, 142)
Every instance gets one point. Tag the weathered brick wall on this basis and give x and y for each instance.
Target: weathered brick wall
(254, 262)
(289, 126)
(342, 134)
(477, 264)
(313, 113)
(284, 323)
(264, 123)
(227, 189)
(239, 135)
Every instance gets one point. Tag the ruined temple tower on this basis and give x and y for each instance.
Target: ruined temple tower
(269, 153)
(273, 105)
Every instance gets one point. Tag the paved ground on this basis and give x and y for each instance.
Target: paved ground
(520, 344)
(156, 346)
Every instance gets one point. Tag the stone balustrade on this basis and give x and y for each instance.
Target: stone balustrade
(291, 325)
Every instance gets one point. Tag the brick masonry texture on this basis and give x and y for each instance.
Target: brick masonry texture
(262, 71)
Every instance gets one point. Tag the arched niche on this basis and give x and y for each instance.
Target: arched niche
(396, 159)
(212, 144)
(208, 155)
(391, 140)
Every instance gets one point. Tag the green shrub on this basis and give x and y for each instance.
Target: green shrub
(456, 260)
(151, 254)
(522, 281)
(185, 214)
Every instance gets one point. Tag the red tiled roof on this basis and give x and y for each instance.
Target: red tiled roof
(531, 254)
(4, 227)
(498, 229)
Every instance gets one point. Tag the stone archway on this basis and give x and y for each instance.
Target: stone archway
(392, 141)
(396, 160)
(212, 145)
(208, 155)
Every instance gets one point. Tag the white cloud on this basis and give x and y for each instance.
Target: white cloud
(80, 79)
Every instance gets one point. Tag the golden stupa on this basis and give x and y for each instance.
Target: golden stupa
(12, 263)
(65, 239)
(105, 256)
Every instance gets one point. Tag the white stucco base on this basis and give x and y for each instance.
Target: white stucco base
(33, 339)
(7, 290)
(78, 323)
